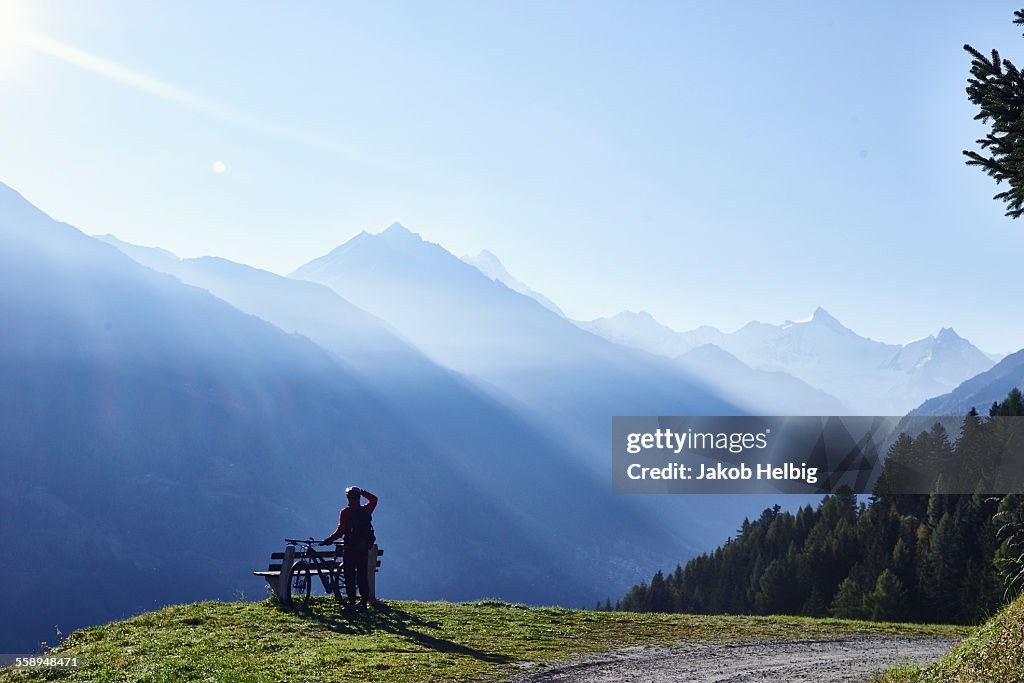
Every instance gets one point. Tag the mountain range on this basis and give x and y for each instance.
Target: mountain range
(489, 264)
(168, 421)
(867, 376)
(979, 392)
(561, 376)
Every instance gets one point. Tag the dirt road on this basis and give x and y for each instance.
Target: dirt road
(804, 661)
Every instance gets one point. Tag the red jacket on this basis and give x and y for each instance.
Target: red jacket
(371, 503)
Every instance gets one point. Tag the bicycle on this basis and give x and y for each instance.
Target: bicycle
(310, 562)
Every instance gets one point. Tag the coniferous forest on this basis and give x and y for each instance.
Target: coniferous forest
(937, 557)
(923, 558)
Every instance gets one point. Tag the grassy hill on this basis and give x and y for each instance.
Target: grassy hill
(400, 641)
(995, 652)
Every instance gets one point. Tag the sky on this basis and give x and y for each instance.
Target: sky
(708, 162)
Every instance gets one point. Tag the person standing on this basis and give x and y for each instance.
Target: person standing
(355, 525)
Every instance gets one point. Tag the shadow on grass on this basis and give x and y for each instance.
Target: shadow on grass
(385, 618)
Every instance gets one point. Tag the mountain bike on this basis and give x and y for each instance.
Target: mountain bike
(310, 562)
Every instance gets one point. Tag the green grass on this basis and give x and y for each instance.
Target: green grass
(994, 653)
(400, 641)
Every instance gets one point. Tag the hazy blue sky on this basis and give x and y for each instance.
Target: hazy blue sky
(709, 162)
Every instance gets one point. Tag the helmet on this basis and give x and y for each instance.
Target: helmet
(353, 492)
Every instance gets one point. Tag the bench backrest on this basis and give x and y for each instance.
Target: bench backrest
(329, 556)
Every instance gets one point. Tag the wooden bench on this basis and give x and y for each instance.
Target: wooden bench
(279, 572)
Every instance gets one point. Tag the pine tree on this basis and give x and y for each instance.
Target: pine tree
(946, 564)
(849, 602)
(815, 605)
(996, 87)
(888, 601)
(1011, 406)
(659, 597)
(896, 470)
(903, 562)
(636, 599)
(976, 460)
(774, 589)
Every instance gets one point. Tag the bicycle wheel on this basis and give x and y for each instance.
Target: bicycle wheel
(336, 584)
(302, 581)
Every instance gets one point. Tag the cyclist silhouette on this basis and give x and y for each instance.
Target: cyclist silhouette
(356, 526)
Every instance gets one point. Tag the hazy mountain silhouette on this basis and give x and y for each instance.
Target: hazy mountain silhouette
(165, 430)
(475, 433)
(565, 379)
(572, 380)
(980, 391)
(489, 264)
(160, 442)
(760, 391)
(869, 377)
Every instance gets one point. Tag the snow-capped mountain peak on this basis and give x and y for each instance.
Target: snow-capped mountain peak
(948, 334)
(487, 260)
(822, 319)
(869, 376)
(491, 266)
(397, 231)
(640, 330)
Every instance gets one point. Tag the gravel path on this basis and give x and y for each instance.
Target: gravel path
(801, 661)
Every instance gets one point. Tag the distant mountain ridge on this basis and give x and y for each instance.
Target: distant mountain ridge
(154, 434)
(170, 390)
(462, 428)
(823, 365)
(766, 392)
(476, 325)
(869, 377)
(159, 442)
(489, 264)
(640, 330)
(564, 379)
(470, 425)
(978, 392)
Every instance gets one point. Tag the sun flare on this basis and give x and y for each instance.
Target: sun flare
(14, 30)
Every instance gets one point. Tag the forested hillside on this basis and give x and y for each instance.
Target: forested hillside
(892, 558)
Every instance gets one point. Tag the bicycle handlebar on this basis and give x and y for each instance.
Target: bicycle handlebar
(307, 540)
